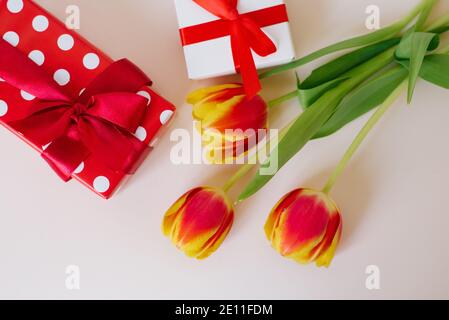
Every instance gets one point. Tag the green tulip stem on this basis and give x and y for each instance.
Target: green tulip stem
(361, 137)
(252, 162)
(440, 22)
(427, 9)
(284, 98)
(243, 171)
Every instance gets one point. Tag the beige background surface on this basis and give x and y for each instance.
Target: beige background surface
(394, 197)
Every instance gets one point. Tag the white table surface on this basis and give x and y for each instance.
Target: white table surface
(394, 196)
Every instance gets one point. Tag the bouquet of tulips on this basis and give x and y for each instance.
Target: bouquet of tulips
(306, 225)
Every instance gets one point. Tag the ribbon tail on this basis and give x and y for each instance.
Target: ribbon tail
(244, 61)
(65, 154)
(42, 127)
(258, 40)
(115, 147)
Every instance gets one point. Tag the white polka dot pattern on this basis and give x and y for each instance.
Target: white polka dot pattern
(46, 146)
(26, 96)
(165, 116)
(37, 56)
(12, 38)
(141, 133)
(91, 61)
(14, 6)
(62, 77)
(3, 108)
(101, 184)
(146, 95)
(40, 23)
(79, 169)
(66, 42)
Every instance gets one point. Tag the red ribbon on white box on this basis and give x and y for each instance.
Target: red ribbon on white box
(245, 31)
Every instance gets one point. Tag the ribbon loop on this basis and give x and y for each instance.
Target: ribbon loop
(224, 9)
(100, 123)
(66, 153)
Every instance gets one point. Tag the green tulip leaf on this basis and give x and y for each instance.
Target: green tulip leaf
(331, 74)
(405, 48)
(308, 97)
(435, 69)
(300, 132)
(363, 99)
(414, 47)
(336, 68)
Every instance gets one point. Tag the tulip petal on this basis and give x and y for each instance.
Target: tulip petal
(305, 225)
(193, 248)
(210, 111)
(246, 115)
(229, 122)
(202, 217)
(215, 242)
(219, 150)
(324, 252)
(327, 252)
(203, 93)
(174, 210)
(199, 221)
(279, 208)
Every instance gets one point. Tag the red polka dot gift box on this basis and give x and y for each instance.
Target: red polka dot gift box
(91, 118)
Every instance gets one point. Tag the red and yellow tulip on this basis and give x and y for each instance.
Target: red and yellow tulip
(199, 221)
(306, 226)
(230, 123)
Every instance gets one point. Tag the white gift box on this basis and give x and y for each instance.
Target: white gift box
(214, 57)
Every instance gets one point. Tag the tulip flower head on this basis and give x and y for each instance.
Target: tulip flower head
(230, 123)
(306, 226)
(199, 221)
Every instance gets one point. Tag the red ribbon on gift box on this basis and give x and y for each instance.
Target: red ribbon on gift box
(101, 121)
(246, 35)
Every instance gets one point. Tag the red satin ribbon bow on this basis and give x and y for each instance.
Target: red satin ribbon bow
(99, 122)
(245, 31)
